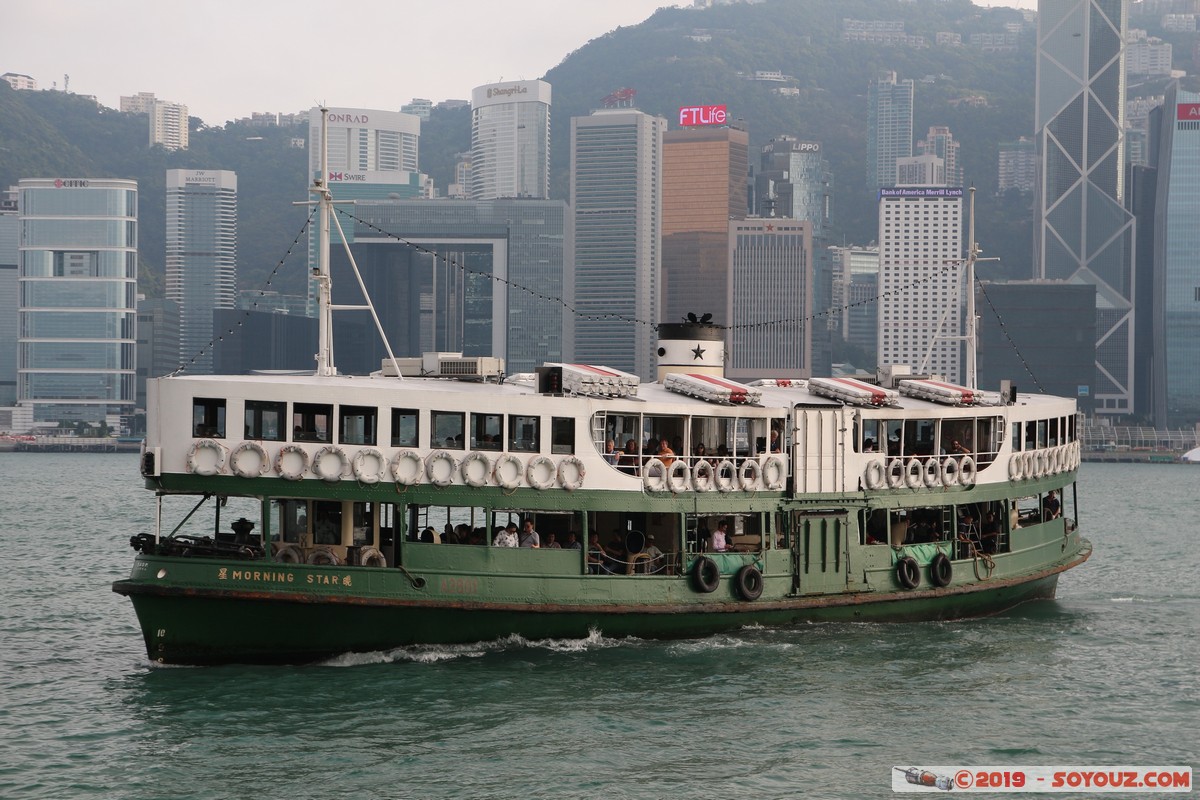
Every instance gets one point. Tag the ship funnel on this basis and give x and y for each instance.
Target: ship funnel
(696, 347)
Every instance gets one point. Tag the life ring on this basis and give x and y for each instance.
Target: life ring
(1015, 470)
(706, 575)
(329, 463)
(1076, 455)
(291, 453)
(365, 473)
(654, 475)
(289, 554)
(749, 582)
(908, 573)
(750, 475)
(968, 471)
(408, 468)
(506, 472)
(774, 473)
(873, 475)
(475, 469)
(206, 465)
(1028, 465)
(941, 571)
(913, 473)
(1040, 470)
(895, 473)
(237, 460)
(434, 471)
(949, 471)
(371, 557)
(703, 477)
(1052, 464)
(540, 473)
(571, 473)
(323, 557)
(724, 476)
(679, 476)
(931, 472)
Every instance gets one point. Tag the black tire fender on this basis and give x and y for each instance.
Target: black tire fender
(749, 582)
(908, 573)
(706, 575)
(941, 571)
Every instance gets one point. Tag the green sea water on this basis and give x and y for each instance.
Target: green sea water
(1105, 674)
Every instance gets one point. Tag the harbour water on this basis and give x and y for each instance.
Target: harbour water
(1104, 675)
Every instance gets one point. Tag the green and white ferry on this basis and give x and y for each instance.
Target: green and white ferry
(382, 502)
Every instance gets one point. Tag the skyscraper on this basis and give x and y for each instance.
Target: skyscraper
(201, 257)
(169, 125)
(771, 299)
(889, 127)
(1084, 233)
(940, 142)
(920, 271)
(510, 140)
(1175, 300)
(703, 187)
(616, 194)
(794, 182)
(77, 269)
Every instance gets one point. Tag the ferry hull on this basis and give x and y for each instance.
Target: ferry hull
(219, 626)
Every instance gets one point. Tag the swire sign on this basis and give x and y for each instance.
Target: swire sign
(703, 115)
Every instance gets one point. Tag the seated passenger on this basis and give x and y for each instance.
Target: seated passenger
(775, 446)
(551, 544)
(573, 541)
(630, 459)
(989, 535)
(1051, 507)
(507, 536)
(596, 559)
(610, 452)
(665, 454)
(655, 561)
(614, 554)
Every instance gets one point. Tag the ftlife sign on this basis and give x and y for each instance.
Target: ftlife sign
(703, 115)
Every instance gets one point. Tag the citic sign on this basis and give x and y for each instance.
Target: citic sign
(703, 115)
(1187, 111)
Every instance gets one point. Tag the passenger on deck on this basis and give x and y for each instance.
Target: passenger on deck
(630, 458)
(429, 536)
(614, 554)
(775, 446)
(654, 557)
(611, 455)
(968, 531)
(596, 560)
(550, 543)
(572, 541)
(719, 540)
(506, 537)
(1051, 507)
(529, 537)
(868, 445)
(989, 535)
(665, 454)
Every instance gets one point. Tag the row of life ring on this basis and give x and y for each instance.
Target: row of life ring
(1033, 464)
(751, 476)
(930, 473)
(477, 469)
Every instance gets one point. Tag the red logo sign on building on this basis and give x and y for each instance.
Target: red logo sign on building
(703, 115)
(1187, 111)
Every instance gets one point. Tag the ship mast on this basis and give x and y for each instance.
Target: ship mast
(971, 331)
(320, 187)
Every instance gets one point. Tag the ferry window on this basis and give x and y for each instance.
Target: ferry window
(293, 519)
(1052, 432)
(659, 429)
(958, 436)
(873, 433)
(447, 430)
(1016, 436)
(894, 428)
(562, 435)
(918, 437)
(621, 429)
(356, 425)
(524, 433)
(487, 431)
(266, 420)
(310, 422)
(327, 522)
(404, 427)
(1071, 428)
(716, 434)
(1041, 433)
(208, 417)
(1030, 435)
(363, 519)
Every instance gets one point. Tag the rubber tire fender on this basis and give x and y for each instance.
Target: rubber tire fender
(908, 573)
(749, 582)
(941, 571)
(706, 575)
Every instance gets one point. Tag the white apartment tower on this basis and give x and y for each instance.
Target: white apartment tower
(201, 257)
(510, 140)
(920, 272)
(169, 125)
(616, 195)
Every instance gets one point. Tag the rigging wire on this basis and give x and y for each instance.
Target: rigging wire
(1004, 330)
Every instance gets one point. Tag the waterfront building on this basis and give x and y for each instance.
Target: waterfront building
(373, 155)
(616, 197)
(920, 279)
(201, 256)
(1084, 233)
(856, 296)
(510, 140)
(1175, 286)
(771, 291)
(157, 341)
(480, 278)
(703, 187)
(9, 233)
(77, 271)
(889, 127)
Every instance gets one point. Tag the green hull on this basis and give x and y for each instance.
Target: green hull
(264, 616)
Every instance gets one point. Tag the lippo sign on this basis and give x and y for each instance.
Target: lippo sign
(703, 115)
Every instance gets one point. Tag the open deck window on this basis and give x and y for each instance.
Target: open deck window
(357, 425)
(487, 431)
(311, 422)
(266, 420)
(404, 427)
(208, 417)
(447, 430)
(562, 435)
(524, 433)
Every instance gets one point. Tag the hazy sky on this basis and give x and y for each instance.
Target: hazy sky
(227, 58)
